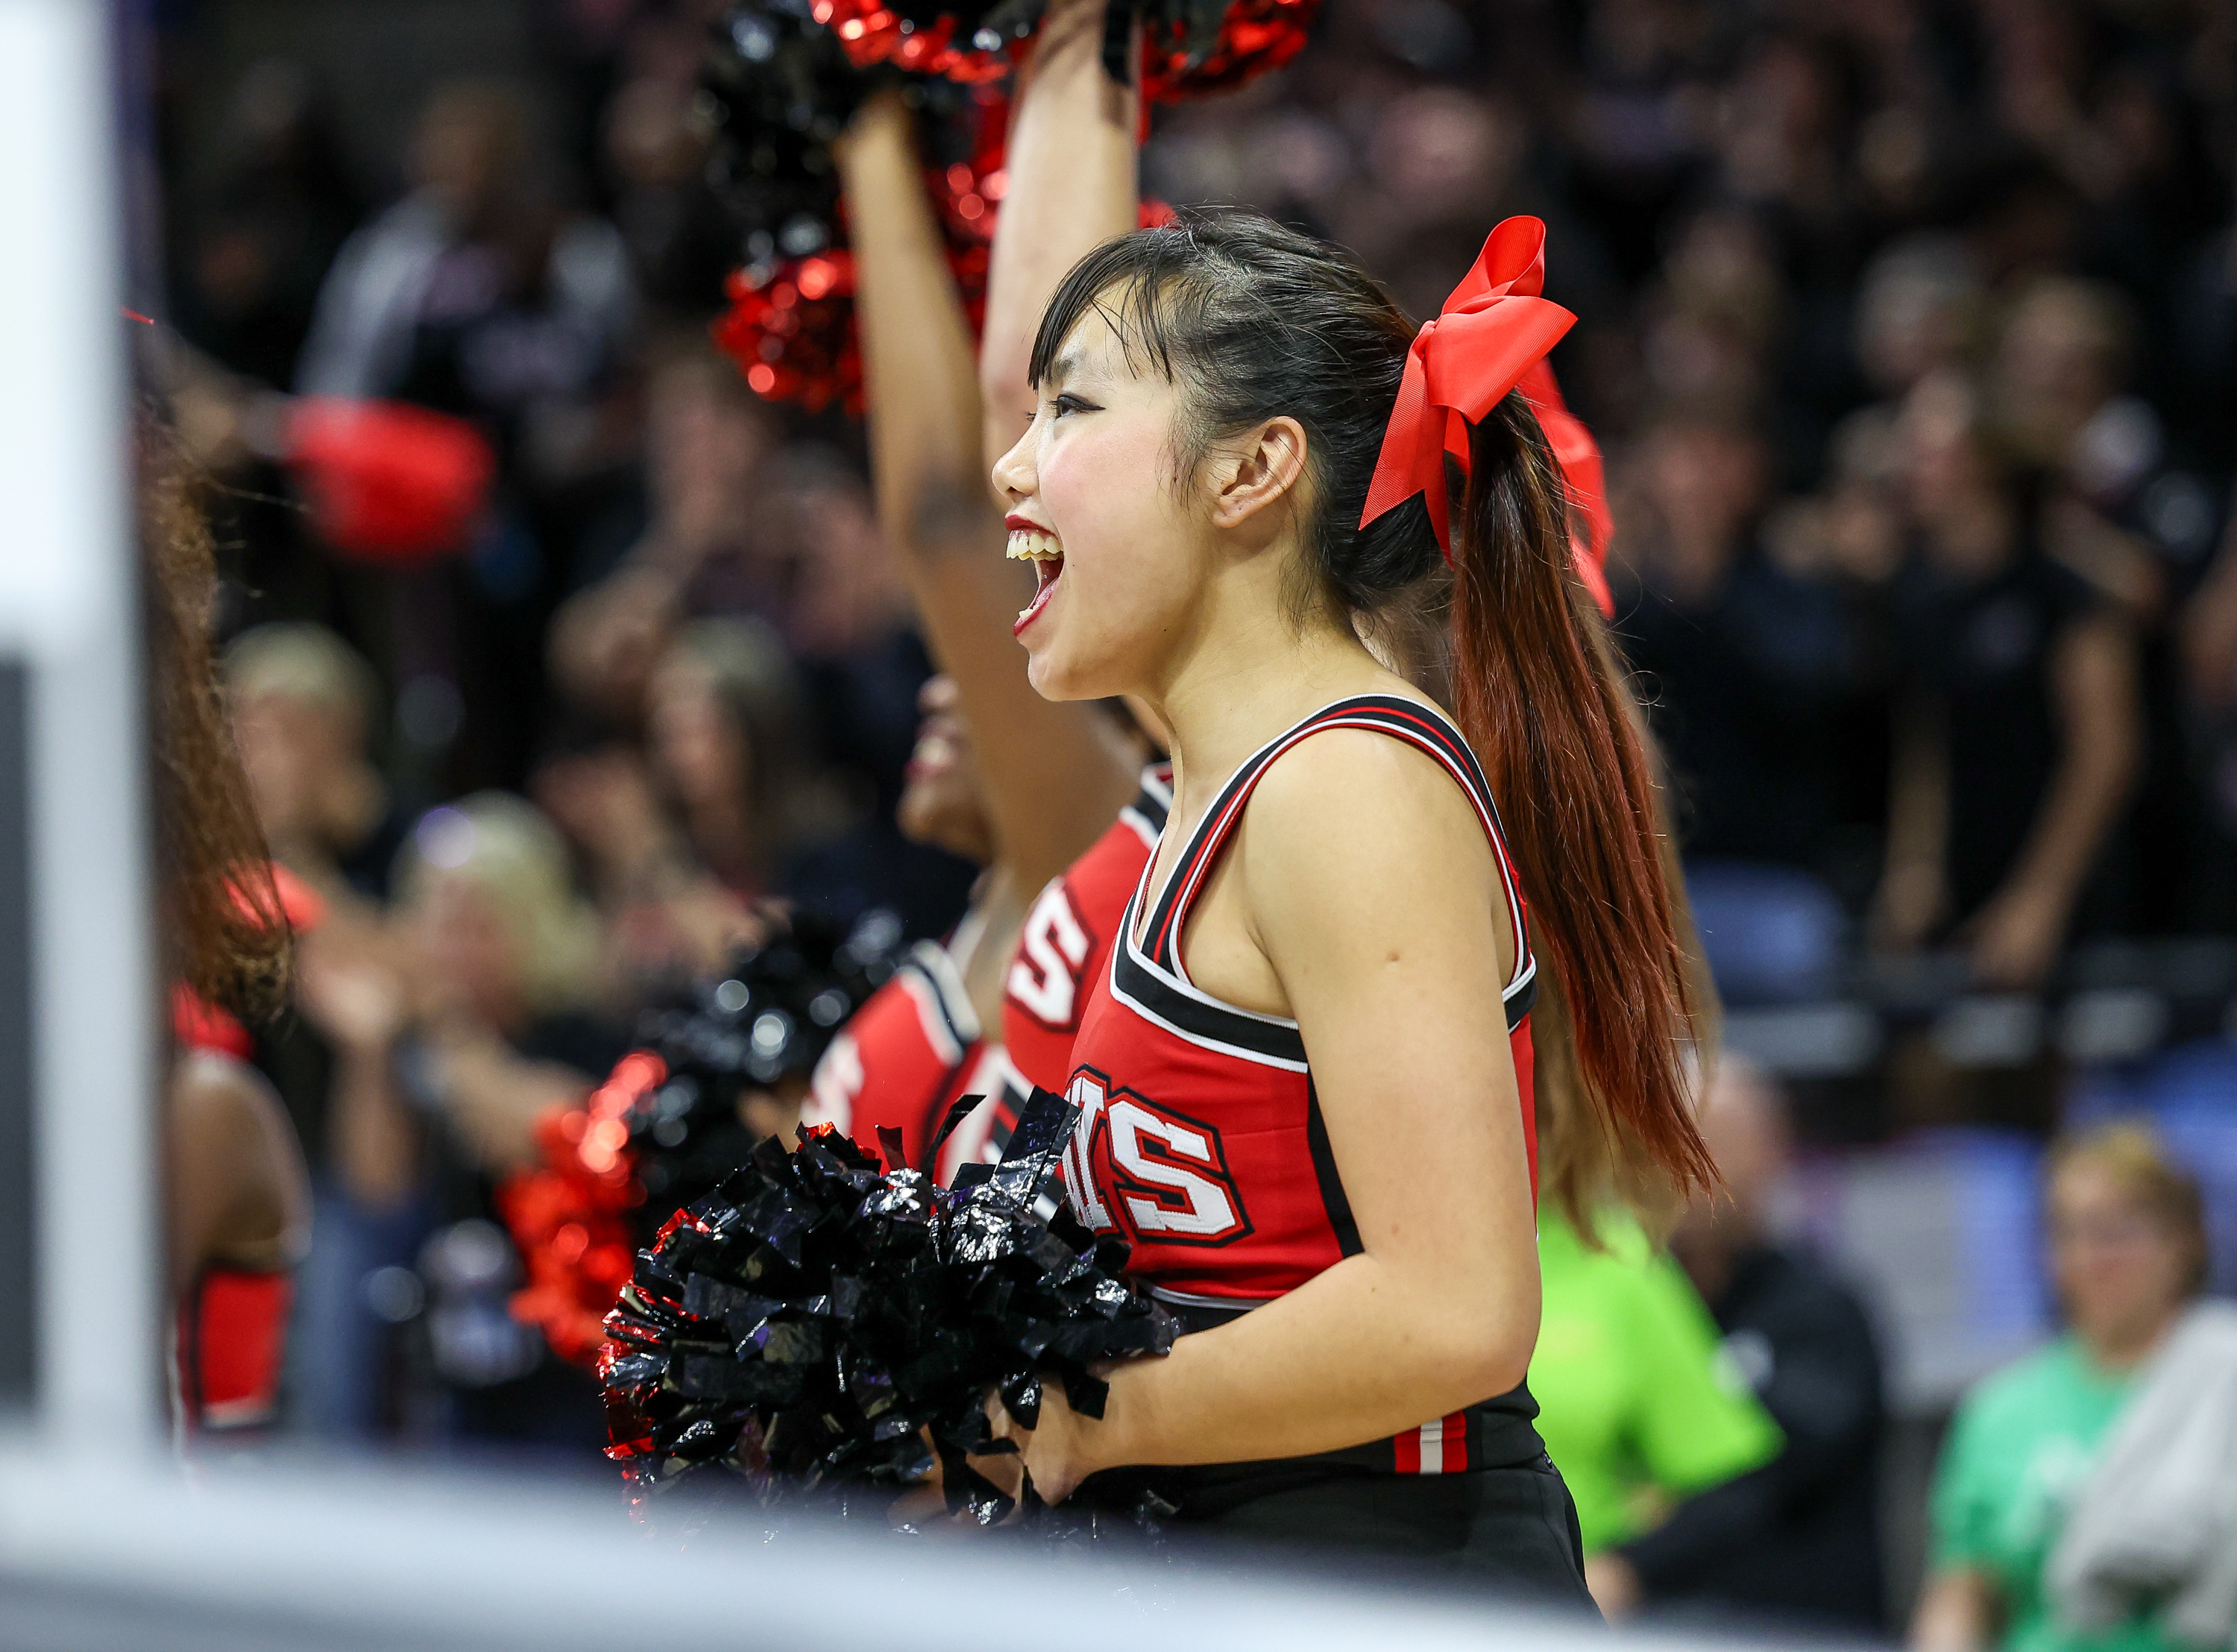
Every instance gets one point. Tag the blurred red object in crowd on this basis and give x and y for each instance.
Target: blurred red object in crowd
(569, 1215)
(386, 482)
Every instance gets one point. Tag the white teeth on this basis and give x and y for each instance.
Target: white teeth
(1031, 544)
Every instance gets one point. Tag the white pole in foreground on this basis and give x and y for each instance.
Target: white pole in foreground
(68, 617)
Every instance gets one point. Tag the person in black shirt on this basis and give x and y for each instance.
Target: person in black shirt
(1794, 1545)
(2018, 729)
(1742, 660)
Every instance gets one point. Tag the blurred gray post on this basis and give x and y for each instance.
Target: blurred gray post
(80, 1298)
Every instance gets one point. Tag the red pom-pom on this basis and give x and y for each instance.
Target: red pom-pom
(388, 482)
(569, 1216)
(870, 32)
(1257, 37)
(790, 327)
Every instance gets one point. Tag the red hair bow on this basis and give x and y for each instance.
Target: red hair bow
(1491, 338)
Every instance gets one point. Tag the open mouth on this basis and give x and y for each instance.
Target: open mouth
(1030, 541)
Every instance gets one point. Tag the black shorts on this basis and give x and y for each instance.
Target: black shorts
(1510, 1531)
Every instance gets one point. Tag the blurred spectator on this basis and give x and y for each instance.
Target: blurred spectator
(1638, 1406)
(1796, 1543)
(684, 840)
(785, 541)
(504, 962)
(1745, 662)
(303, 704)
(479, 291)
(482, 293)
(705, 534)
(491, 1029)
(257, 233)
(2019, 735)
(725, 721)
(1741, 658)
(2128, 1249)
(452, 1028)
(679, 244)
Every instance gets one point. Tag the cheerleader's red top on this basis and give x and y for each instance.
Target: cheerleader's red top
(916, 1048)
(1066, 942)
(1199, 1138)
(232, 1334)
(903, 1059)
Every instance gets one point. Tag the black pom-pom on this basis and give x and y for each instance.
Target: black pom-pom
(821, 1320)
(765, 1020)
(779, 89)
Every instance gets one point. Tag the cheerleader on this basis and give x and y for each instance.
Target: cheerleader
(1068, 812)
(1296, 1104)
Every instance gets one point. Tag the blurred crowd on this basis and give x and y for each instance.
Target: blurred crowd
(1909, 326)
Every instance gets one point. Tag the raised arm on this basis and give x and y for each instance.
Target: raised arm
(1056, 773)
(1072, 186)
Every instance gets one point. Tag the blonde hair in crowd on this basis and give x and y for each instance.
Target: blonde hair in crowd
(505, 848)
(2131, 1152)
(301, 662)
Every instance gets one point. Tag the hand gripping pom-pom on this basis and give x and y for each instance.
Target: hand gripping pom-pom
(863, 1350)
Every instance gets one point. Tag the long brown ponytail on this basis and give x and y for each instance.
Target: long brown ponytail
(1538, 693)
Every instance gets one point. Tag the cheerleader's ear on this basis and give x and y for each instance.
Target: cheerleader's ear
(1248, 473)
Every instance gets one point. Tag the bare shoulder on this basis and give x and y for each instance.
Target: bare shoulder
(240, 1190)
(222, 1105)
(1352, 809)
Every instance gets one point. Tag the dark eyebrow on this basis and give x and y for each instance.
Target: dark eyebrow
(1062, 368)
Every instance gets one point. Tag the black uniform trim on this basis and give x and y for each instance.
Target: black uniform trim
(1199, 1019)
(1332, 1194)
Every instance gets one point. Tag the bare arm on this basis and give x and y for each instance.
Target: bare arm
(1056, 773)
(1956, 1612)
(2208, 630)
(237, 1189)
(346, 988)
(1072, 188)
(1389, 958)
(1913, 887)
(2093, 687)
(493, 1096)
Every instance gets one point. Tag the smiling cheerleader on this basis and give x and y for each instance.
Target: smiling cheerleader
(1304, 1076)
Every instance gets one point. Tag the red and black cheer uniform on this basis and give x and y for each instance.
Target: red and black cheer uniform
(1065, 941)
(227, 1344)
(1200, 1141)
(904, 1058)
(916, 1048)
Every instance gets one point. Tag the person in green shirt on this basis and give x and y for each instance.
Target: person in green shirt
(2127, 1252)
(1637, 1403)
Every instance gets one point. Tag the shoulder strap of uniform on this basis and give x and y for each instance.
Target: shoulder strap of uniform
(1419, 725)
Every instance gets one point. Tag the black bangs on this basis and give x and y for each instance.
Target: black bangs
(1142, 272)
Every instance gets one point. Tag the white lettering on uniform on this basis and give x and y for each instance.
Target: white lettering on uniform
(1210, 1211)
(1052, 951)
(1078, 1164)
